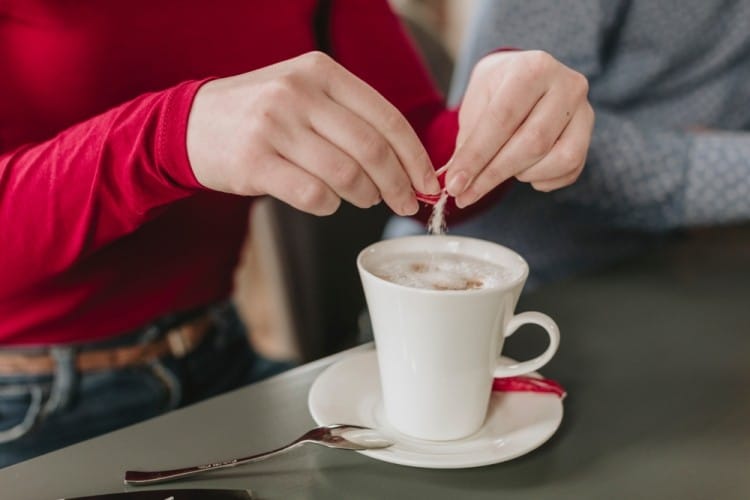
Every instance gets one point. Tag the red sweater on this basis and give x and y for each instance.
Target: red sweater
(103, 226)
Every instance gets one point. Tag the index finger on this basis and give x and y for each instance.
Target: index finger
(363, 100)
(507, 109)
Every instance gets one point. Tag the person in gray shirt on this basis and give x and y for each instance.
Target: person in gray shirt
(670, 84)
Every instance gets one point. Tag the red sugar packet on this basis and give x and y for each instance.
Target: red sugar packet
(528, 384)
(431, 199)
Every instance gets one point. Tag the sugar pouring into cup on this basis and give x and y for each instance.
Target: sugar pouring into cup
(436, 223)
(441, 307)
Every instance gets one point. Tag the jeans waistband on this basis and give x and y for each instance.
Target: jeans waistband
(53, 392)
(146, 341)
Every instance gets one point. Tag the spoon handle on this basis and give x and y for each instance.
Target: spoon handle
(137, 478)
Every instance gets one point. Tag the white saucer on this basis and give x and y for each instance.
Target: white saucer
(348, 392)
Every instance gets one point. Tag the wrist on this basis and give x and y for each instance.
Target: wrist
(172, 135)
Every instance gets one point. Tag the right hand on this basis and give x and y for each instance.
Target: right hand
(310, 133)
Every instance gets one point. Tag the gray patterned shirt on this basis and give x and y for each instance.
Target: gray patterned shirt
(670, 83)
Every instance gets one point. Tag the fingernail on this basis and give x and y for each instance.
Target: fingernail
(411, 207)
(466, 200)
(457, 184)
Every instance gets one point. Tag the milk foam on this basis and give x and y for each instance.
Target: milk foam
(441, 271)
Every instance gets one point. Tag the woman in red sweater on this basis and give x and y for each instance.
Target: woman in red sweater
(129, 155)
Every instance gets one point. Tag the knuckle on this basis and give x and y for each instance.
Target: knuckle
(394, 189)
(493, 175)
(471, 160)
(393, 121)
(539, 62)
(375, 197)
(258, 126)
(537, 142)
(375, 150)
(313, 197)
(244, 182)
(419, 164)
(524, 176)
(316, 61)
(364, 201)
(330, 207)
(482, 68)
(571, 158)
(500, 113)
(505, 115)
(346, 174)
(580, 84)
(422, 157)
(363, 134)
(281, 89)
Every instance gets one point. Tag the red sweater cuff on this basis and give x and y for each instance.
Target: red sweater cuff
(171, 152)
(503, 49)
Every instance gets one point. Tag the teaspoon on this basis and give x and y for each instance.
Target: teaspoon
(346, 437)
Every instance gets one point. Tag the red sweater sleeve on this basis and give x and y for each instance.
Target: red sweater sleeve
(99, 180)
(369, 40)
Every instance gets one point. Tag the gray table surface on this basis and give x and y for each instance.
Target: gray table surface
(655, 354)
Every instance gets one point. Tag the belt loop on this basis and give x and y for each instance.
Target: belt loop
(179, 343)
(64, 382)
(171, 382)
(31, 418)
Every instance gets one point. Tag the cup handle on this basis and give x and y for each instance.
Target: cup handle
(531, 365)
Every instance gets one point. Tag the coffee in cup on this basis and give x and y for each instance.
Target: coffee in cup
(441, 271)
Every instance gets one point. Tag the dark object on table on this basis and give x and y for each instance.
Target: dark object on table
(193, 494)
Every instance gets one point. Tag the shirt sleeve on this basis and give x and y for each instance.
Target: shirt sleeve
(638, 175)
(573, 31)
(62, 199)
(654, 179)
(370, 41)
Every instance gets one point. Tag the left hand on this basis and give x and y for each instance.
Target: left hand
(524, 115)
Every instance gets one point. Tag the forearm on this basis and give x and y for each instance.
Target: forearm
(97, 181)
(717, 184)
(651, 178)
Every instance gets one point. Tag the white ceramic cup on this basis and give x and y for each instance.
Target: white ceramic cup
(438, 350)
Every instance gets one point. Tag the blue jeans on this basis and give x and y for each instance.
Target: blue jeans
(41, 413)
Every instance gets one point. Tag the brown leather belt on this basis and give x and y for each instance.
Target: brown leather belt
(177, 342)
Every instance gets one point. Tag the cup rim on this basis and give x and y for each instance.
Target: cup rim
(520, 279)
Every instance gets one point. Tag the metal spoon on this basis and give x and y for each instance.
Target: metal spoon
(345, 437)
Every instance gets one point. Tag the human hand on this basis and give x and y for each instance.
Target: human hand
(524, 115)
(310, 133)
